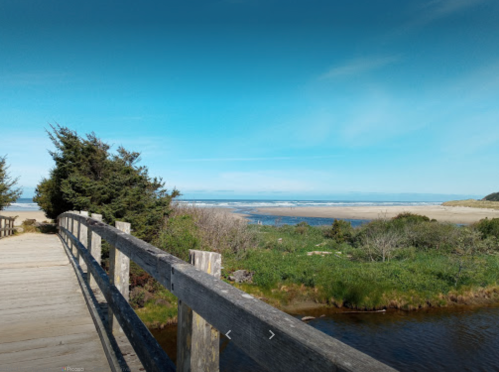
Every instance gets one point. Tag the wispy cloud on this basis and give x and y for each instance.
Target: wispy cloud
(444, 8)
(439, 9)
(258, 159)
(360, 66)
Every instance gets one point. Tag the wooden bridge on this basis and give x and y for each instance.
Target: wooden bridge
(60, 311)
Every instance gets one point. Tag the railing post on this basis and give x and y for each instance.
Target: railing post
(198, 341)
(82, 237)
(73, 232)
(1, 227)
(119, 273)
(95, 248)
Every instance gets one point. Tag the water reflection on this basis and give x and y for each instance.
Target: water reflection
(437, 340)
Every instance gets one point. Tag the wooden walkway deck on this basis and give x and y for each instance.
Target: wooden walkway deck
(44, 321)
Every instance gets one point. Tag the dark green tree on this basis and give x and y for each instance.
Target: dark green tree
(87, 176)
(492, 197)
(8, 191)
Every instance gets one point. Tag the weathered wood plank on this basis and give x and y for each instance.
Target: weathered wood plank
(83, 236)
(41, 303)
(119, 273)
(89, 348)
(22, 303)
(150, 353)
(295, 346)
(40, 343)
(95, 248)
(198, 343)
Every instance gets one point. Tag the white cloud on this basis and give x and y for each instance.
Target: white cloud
(444, 8)
(360, 66)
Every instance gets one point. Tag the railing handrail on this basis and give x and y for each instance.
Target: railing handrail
(7, 218)
(6, 226)
(295, 347)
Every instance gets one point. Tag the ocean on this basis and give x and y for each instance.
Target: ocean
(249, 208)
(23, 205)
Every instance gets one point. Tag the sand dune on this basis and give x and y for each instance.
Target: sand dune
(439, 212)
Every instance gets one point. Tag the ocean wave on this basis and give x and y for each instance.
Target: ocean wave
(294, 203)
(23, 207)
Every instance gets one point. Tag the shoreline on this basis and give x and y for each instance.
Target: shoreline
(441, 213)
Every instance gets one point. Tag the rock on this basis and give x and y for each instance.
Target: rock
(279, 241)
(241, 276)
(162, 302)
(322, 253)
(307, 318)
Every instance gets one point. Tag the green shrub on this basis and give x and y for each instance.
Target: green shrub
(178, 236)
(488, 228)
(411, 218)
(302, 228)
(341, 231)
(430, 235)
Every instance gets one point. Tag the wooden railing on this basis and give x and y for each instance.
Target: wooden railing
(274, 339)
(6, 226)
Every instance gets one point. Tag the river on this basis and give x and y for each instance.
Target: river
(458, 339)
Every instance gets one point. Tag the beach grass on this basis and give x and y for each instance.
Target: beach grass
(472, 203)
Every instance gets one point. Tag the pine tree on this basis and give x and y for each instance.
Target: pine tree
(87, 176)
(8, 191)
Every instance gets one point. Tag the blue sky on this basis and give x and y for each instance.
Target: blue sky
(262, 99)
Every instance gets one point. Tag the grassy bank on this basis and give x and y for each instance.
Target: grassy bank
(285, 275)
(472, 203)
(408, 262)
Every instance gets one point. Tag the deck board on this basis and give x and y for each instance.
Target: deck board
(44, 321)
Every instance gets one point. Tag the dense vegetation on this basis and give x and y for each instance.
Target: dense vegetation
(492, 197)
(87, 176)
(8, 191)
(406, 262)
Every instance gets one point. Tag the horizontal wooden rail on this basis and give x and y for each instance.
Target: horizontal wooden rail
(295, 347)
(6, 226)
(147, 348)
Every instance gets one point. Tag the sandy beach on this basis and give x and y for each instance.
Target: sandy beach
(441, 213)
(39, 216)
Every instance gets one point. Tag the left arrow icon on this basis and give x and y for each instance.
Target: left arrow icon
(227, 334)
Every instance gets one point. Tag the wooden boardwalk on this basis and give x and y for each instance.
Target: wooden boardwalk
(44, 322)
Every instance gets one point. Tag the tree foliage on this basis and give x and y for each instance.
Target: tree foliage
(8, 191)
(492, 197)
(87, 176)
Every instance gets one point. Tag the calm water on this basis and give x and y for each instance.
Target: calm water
(438, 340)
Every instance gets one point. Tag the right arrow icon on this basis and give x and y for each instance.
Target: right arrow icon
(270, 338)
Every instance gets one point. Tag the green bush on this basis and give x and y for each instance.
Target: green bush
(301, 228)
(178, 236)
(429, 235)
(341, 231)
(488, 228)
